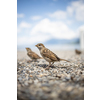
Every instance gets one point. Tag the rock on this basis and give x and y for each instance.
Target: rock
(35, 81)
(62, 85)
(51, 78)
(59, 75)
(42, 70)
(76, 65)
(26, 83)
(30, 81)
(46, 89)
(54, 75)
(63, 81)
(69, 88)
(67, 78)
(40, 79)
(31, 75)
(20, 79)
(20, 63)
(45, 85)
(54, 95)
(45, 80)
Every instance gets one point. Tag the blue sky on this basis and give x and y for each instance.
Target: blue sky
(41, 20)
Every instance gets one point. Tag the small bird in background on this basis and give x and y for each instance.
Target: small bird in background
(77, 51)
(33, 55)
(48, 55)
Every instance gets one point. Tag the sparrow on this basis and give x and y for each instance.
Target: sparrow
(48, 55)
(78, 51)
(33, 55)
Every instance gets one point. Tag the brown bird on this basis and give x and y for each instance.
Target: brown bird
(33, 55)
(78, 51)
(48, 55)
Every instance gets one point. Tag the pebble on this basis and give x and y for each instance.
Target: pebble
(59, 75)
(69, 88)
(45, 85)
(30, 81)
(35, 81)
(31, 75)
(54, 95)
(19, 78)
(46, 89)
(40, 79)
(26, 83)
(51, 78)
(45, 80)
(64, 81)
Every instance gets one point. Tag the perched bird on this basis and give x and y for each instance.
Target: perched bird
(33, 55)
(48, 55)
(78, 51)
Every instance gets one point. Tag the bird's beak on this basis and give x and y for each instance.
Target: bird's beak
(36, 45)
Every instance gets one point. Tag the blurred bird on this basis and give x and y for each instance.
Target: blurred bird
(78, 52)
(33, 55)
(48, 55)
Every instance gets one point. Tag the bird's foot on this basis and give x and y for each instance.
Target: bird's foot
(29, 61)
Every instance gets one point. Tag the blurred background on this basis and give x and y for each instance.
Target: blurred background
(58, 24)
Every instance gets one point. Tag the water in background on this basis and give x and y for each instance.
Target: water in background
(64, 47)
(55, 47)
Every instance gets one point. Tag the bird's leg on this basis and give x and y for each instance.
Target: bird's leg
(36, 62)
(48, 65)
(52, 63)
(29, 61)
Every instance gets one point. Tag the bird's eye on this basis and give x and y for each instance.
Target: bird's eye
(39, 45)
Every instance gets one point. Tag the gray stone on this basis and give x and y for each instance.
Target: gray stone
(20, 78)
(45, 85)
(26, 83)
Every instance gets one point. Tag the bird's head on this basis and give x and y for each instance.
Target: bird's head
(40, 46)
(28, 49)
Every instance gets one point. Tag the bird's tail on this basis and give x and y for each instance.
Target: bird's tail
(64, 60)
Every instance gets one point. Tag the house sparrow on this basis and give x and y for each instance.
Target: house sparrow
(48, 55)
(78, 51)
(33, 55)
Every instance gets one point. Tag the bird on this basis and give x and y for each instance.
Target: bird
(48, 55)
(77, 51)
(33, 55)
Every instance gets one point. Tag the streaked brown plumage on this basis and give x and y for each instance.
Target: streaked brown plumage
(48, 55)
(32, 54)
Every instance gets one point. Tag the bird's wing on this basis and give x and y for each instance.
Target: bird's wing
(33, 55)
(49, 54)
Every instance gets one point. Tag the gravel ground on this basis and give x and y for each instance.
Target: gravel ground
(63, 81)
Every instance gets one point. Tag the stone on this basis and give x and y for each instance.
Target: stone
(31, 75)
(54, 95)
(59, 75)
(46, 89)
(51, 78)
(40, 79)
(63, 81)
(45, 85)
(26, 83)
(69, 88)
(35, 81)
(30, 81)
(19, 78)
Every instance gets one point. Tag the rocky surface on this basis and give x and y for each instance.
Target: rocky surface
(63, 81)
